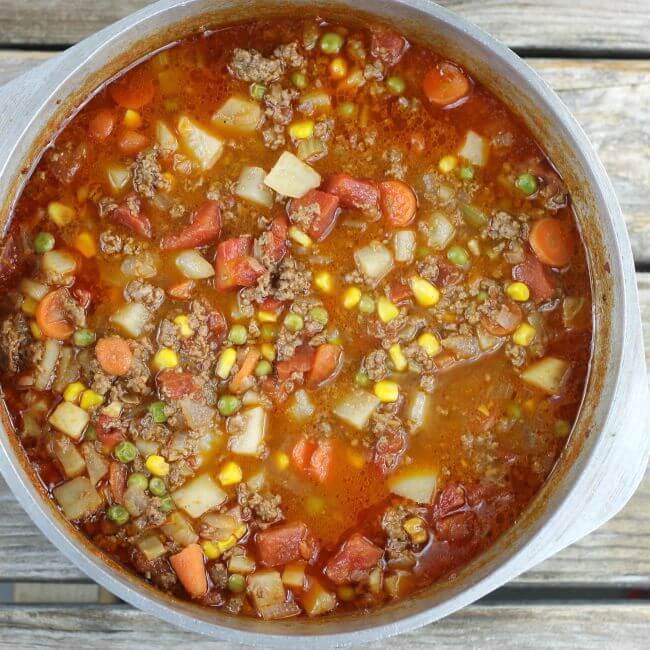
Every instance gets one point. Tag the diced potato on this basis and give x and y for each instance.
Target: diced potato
(418, 407)
(179, 529)
(301, 407)
(131, 319)
(238, 116)
(547, 374)
(69, 419)
(78, 498)
(250, 187)
(440, 231)
(292, 177)
(417, 484)
(404, 245)
(67, 370)
(58, 263)
(47, 365)
(96, 463)
(205, 147)
(374, 261)
(198, 416)
(67, 454)
(242, 564)
(151, 546)
(265, 588)
(294, 575)
(356, 408)
(474, 149)
(199, 495)
(165, 138)
(398, 584)
(118, 177)
(193, 265)
(317, 600)
(143, 265)
(487, 341)
(34, 290)
(250, 439)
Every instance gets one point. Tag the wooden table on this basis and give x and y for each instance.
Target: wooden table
(595, 594)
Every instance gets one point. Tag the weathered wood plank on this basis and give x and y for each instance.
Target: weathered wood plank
(558, 626)
(610, 100)
(559, 24)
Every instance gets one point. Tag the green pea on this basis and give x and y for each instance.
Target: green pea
(319, 314)
(157, 486)
(347, 110)
(43, 242)
(125, 451)
(473, 216)
(167, 504)
(421, 252)
(268, 332)
(91, 433)
(236, 583)
(514, 411)
(228, 405)
(482, 296)
(83, 338)
(118, 514)
(458, 255)
(257, 91)
(395, 85)
(331, 43)
(263, 368)
(466, 172)
(362, 379)
(293, 322)
(157, 411)
(299, 80)
(562, 428)
(527, 184)
(138, 479)
(366, 304)
(238, 335)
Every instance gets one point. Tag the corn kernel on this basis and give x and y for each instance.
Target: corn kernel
(90, 400)
(302, 129)
(170, 179)
(29, 305)
(425, 293)
(386, 309)
(518, 291)
(338, 68)
(226, 361)
(183, 323)
(227, 544)
(282, 460)
(387, 391)
(82, 193)
(85, 244)
(351, 297)
(132, 119)
(447, 164)
(72, 391)
(483, 410)
(268, 352)
(301, 238)
(60, 213)
(524, 334)
(240, 531)
(35, 330)
(397, 357)
(165, 358)
(430, 343)
(230, 473)
(264, 316)
(356, 459)
(157, 465)
(324, 281)
(416, 528)
(211, 550)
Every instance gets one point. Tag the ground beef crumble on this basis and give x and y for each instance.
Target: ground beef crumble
(150, 296)
(15, 340)
(399, 546)
(260, 510)
(147, 174)
(375, 365)
(250, 65)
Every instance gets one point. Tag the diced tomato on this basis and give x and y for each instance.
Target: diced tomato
(234, 266)
(324, 220)
(271, 304)
(181, 290)
(278, 391)
(10, 257)
(448, 274)
(456, 528)
(302, 452)
(82, 295)
(134, 90)
(450, 499)
(177, 384)
(218, 324)
(387, 46)
(353, 192)
(273, 245)
(400, 292)
(327, 361)
(108, 436)
(204, 229)
(101, 125)
(356, 554)
(536, 276)
(301, 361)
(317, 460)
(398, 203)
(285, 543)
(128, 215)
(117, 475)
(131, 142)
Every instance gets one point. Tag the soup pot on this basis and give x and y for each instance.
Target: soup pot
(607, 451)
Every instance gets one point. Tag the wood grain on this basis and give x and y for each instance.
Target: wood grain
(561, 626)
(623, 25)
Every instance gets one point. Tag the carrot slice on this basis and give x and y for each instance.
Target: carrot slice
(552, 241)
(114, 355)
(397, 202)
(445, 85)
(302, 452)
(326, 363)
(190, 569)
(51, 315)
(238, 383)
(134, 90)
(131, 142)
(101, 125)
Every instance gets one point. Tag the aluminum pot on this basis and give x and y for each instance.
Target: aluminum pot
(607, 451)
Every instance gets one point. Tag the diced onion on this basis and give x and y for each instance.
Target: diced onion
(47, 365)
(34, 290)
(118, 177)
(179, 529)
(417, 408)
(474, 149)
(193, 265)
(250, 187)
(374, 261)
(292, 177)
(144, 265)
(440, 231)
(404, 244)
(301, 408)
